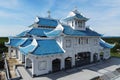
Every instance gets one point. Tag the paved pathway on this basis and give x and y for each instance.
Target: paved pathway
(86, 73)
(24, 73)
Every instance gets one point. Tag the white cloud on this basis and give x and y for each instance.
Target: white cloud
(12, 30)
(108, 31)
(42, 11)
(11, 4)
(107, 3)
(104, 14)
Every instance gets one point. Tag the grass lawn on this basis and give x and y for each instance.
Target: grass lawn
(117, 54)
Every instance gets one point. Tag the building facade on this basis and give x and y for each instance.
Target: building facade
(51, 45)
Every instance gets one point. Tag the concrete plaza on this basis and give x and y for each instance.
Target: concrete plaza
(81, 73)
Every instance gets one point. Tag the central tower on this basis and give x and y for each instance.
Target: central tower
(76, 20)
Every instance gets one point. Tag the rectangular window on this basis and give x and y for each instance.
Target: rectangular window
(80, 23)
(68, 43)
(79, 41)
(86, 40)
(42, 65)
(76, 39)
(72, 23)
(82, 40)
(76, 23)
(95, 41)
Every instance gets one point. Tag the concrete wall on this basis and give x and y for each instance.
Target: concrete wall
(92, 46)
(106, 53)
(43, 64)
(12, 52)
(77, 26)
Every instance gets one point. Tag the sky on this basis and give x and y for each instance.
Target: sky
(17, 15)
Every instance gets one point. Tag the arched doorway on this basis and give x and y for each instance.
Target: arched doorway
(29, 66)
(101, 55)
(95, 57)
(28, 63)
(56, 65)
(68, 63)
(82, 58)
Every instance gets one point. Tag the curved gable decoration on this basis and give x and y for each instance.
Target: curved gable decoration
(56, 32)
(29, 48)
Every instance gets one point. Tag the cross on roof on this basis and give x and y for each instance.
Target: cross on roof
(75, 7)
(48, 13)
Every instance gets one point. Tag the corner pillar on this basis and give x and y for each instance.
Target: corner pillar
(91, 57)
(9, 52)
(33, 68)
(50, 65)
(73, 61)
(62, 63)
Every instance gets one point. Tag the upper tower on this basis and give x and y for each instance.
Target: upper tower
(76, 20)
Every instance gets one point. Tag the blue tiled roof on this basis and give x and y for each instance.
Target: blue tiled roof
(27, 49)
(47, 22)
(43, 48)
(38, 31)
(88, 32)
(27, 42)
(105, 44)
(56, 32)
(77, 16)
(53, 33)
(22, 34)
(15, 42)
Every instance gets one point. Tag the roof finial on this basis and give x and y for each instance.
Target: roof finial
(48, 13)
(37, 19)
(75, 8)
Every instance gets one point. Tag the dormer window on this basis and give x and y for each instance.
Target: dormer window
(72, 23)
(79, 23)
(76, 22)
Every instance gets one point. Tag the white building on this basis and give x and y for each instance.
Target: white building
(50, 45)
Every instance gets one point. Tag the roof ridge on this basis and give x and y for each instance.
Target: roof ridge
(33, 43)
(36, 44)
(25, 39)
(48, 18)
(60, 46)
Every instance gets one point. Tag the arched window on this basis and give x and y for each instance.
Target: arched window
(68, 43)
(72, 23)
(79, 23)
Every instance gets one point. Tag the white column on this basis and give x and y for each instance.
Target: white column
(73, 61)
(50, 65)
(16, 53)
(9, 52)
(62, 63)
(23, 58)
(20, 56)
(28, 62)
(91, 57)
(25, 62)
(33, 67)
(98, 56)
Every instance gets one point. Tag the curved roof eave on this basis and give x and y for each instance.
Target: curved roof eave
(105, 44)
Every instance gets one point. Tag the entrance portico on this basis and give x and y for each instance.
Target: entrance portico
(82, 58)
